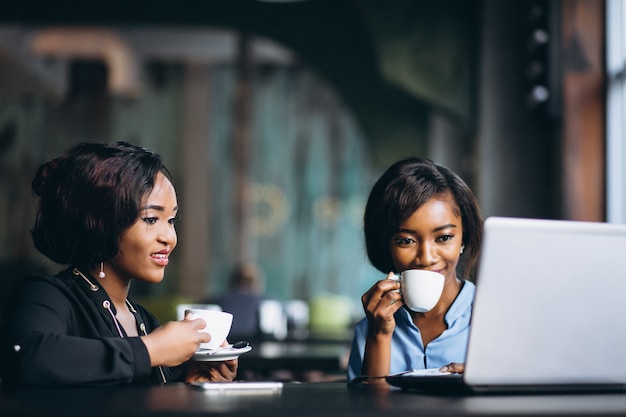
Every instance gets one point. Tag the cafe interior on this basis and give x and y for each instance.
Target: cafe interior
(275, 118)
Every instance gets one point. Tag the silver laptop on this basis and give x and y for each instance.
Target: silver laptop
(549, 312)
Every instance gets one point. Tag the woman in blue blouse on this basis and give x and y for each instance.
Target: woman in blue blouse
(419, 215)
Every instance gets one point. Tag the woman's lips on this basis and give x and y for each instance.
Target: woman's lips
(161, 259)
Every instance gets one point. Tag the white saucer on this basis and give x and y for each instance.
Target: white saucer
(221, 354)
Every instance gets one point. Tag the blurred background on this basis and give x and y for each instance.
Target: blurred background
(276, 117)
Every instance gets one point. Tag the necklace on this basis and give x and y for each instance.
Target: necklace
(106, 304)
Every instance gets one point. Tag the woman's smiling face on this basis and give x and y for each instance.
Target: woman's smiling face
(145, 246)
(431, 238)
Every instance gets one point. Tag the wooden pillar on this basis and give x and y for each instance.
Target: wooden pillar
(241, 149)
(583, 144)
(195, 191)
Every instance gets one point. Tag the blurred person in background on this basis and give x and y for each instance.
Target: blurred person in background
(243, 299)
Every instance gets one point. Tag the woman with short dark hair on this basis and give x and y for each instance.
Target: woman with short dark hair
(419, 215)
(107, 211)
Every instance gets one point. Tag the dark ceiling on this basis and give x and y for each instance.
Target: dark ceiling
(343, 40)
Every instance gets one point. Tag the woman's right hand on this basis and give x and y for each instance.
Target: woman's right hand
(175, 342)
(380, 303)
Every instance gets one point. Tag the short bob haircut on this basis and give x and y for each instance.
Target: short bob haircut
(88, 197)
(405, 187)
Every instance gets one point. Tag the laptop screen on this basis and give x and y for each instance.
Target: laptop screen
(549, 306)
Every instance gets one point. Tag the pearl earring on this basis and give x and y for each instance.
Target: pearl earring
(462, 248)
(101, 274)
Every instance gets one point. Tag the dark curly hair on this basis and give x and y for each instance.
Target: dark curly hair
(400, 191)
(88, 197)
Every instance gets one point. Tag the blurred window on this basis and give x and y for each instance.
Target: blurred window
(616, 111)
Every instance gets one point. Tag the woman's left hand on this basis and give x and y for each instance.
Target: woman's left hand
(224, 371)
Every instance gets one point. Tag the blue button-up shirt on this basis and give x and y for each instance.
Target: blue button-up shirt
(407, 348)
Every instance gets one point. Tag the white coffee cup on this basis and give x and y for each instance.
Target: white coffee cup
(420, 289)
(218, 325)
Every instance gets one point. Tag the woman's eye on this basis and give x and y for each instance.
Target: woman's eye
(150, 220)
(445, 238)
(404, 241)
(174, 220)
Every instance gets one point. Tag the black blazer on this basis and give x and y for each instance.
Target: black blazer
(57, 331)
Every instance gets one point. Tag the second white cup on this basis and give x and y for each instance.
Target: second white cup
(420, 289)
(218, 325)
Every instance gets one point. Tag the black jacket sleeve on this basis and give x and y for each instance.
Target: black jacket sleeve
(54, 334)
